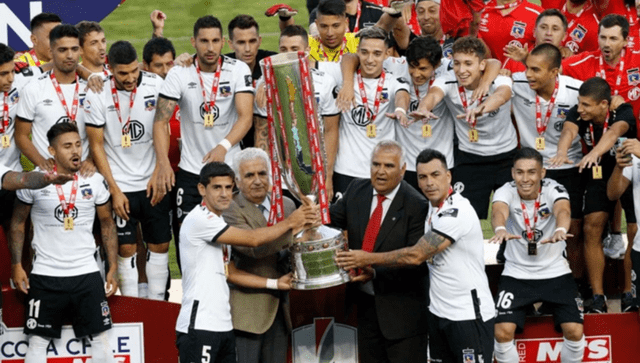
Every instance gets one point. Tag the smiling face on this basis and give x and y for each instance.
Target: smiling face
(332, 29)
(372, 53)
(428, 16)
(468, 69)
(421, 72)
(528, 174)
(591, 110)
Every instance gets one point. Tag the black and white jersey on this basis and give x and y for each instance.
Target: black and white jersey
(3, 171)
(132, 166)
(632, 173)
(550, 260)
(60, 252)
(182, 84)
(524, 111)
(205, 293)
(40, 105)
(459, 284)
(411, 138)
(496, 134)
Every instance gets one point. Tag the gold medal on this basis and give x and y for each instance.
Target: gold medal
(208, 120)
(126, 141)
(473, 135)
(426, 130)
(226, 269)
(6, 141)
(68, 223)
(371, 131)
(597, 171)
(539, 143)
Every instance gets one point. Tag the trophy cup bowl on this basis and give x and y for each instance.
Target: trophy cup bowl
(297, 142)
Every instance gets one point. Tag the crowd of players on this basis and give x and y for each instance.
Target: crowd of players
(530, 109)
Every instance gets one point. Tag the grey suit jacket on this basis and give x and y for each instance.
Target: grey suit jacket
(254, 310)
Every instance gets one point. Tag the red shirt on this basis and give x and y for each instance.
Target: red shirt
(587, 64)
(516, 28)
(513, 66)
(629, 12)
(174, 146)
(456, 16)
(552, 4)
(582, 33)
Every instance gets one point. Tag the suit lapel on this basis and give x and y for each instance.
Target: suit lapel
(365, 211)
(252, 212)
(394, 214)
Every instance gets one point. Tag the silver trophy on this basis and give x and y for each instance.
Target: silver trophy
(297, 153)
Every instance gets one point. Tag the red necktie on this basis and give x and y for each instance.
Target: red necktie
(373, 227)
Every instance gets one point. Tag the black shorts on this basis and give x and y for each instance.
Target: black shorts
(53, 301)
(635, 273)
(154, 220)
(206, 346)
(573, 182)
(595, 197)
(559, 293)
(340, 184)
(460, 341)
(7, 198)
(476, 177)
(187, 195)
(628, 205)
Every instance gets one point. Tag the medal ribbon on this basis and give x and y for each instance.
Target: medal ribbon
(116, 103)
(34, 57)
(604, 129)
(357, 26)
(67, 207)
(505, 6)
(540, 125)
(465, 105)
(74, 105)
(527, 222)
(209, 104)
(326, 57)
(5, 114)
(363, 94)
(603, 75)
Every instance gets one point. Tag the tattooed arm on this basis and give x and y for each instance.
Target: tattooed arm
(16, 243)
(110, 242)
(164, 177)
(261, 133)
(32, 180)
(428, 246)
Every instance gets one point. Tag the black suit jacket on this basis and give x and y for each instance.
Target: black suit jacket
(401, 294)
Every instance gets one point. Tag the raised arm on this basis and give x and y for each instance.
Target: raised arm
(569, 132)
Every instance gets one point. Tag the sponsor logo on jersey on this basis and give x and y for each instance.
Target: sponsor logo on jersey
(359, 115)
(87, 193)
(216, 112)
(578, 33)
(58, 213)
(537, 234)
(634, 94)
(413, 105)
(403, 80)
(452, 212)
(192, 85)
(458, 187)
(517, 30)
(558, 126)
(494, 113)
(225, 91)
(248, 80)
(136, 130)
(63, 119)
(633, 76)
(48, 102)
(573, 46)
(150, 105)
(31, 323)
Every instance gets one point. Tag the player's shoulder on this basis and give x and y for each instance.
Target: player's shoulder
(148, 79)
(456, 207)
(570, 84)
(532, 8)
(581, 58)
(506, 191)
(95, 180)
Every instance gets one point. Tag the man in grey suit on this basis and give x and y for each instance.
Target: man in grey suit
(261, 319)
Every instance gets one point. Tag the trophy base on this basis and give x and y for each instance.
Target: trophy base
(313, 259)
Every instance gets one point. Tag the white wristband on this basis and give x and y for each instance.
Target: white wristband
(401, 110)
(499, 228)
(225, 144)
(564, 230)
(94, 75)
(272, 284)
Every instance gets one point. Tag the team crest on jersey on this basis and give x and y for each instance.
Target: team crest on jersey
(225, 91)
(384, 96)
(58, 213)
(578, 33)
(634, 93)
(248, 81)
(633, 76)
(150, 105)
(468, 356)
(317, 100)
(447, 52)
(215, 111)
(87, 193)
(562, 113)
(544, 212)
(81, 100)
(587, 139)
(517, 30)
(13, 99)
(104, 307)
(87, 106)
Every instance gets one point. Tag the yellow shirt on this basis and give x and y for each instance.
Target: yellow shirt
(320, 53)
(27, 57)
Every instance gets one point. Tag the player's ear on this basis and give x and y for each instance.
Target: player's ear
(34, 40)
(201, 188)
(52, 151)
(193, 42)
(483, 65)
(544, 173)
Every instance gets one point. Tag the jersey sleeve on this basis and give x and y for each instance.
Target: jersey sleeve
(243, 81)
(503, 194)
(627, 172)
(402, 84)
(27, 103)
(441, 82)
(3, 171)
(94, 107)
(328, 106)
(172, 86)
(503, 81)
(450, 224)
(333, 70)
(102, 191)
(624, 113)
(25, 195)
(209, 229)
(558, 192)
(573, 116)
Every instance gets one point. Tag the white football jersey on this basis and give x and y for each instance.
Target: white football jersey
(131, 167)
(632, 173)
(182, 84)
(354, 152)
(40, 105)
(205, 293)
(459, 284)
(524, 111)
(410, 138)
(551, 260)
(60, 252)
(3, 171)
(496, 134)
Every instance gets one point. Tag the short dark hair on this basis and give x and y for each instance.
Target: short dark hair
(205, 22)
(295, 31)
(612, 20)
(44, 18)
(375, 32)
(424, 47)
(427, 155)
(550, 52)
(6, 54)
(85, 27)
(332, 7)
(157, 46)
(215, 169)
(59, 129)
(528, 153)
(469, 45)
(122, 52)
(63, 31)
(242, 22)
(553, 12)
(596, 88)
